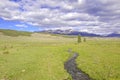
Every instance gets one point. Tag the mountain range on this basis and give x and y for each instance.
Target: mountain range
(74, 32)
(57, 31)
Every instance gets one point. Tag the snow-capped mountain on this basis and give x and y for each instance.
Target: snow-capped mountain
(115, 34)
(75, 32)
(69, 32)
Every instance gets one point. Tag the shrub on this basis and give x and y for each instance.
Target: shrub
(6, 52)
(84, 39)
(79, 39)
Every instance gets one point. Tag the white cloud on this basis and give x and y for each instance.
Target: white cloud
(21, 25)
(61, 28)
(88, 15)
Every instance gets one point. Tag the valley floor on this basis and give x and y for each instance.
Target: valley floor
(42, 57)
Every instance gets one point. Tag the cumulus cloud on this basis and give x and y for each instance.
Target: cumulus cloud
(21, 25)
(98, 16)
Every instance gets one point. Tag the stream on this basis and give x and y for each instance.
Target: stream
(73, 70)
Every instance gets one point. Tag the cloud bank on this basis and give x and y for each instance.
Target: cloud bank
(95, 16)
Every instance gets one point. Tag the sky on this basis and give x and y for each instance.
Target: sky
(93, 16)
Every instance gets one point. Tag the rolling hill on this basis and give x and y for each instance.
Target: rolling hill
(14, 33)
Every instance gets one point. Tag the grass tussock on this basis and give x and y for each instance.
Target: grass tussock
(6, 52)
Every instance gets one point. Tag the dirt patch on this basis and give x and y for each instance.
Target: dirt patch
(73, 70)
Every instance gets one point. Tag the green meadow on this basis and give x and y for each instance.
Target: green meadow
(42, 57)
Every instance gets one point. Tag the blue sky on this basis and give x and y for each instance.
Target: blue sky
(94, 16)
(17, 25)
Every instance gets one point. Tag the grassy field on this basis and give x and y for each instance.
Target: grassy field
(100, 58)
(42, 57)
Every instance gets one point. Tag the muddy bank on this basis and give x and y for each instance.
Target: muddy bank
(72, 69)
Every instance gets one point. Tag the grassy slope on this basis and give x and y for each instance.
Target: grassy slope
(42, 57)
(14, 33)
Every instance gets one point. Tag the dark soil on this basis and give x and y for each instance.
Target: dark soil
(73, 70)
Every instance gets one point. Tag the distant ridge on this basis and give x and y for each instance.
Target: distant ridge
(15, 33)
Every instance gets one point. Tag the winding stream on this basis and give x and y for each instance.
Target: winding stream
(73, 70)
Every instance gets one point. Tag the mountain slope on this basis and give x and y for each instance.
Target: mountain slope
(114, 35)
